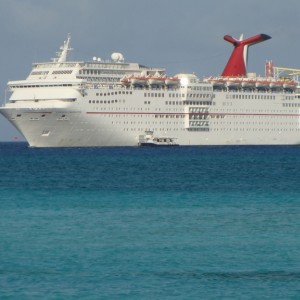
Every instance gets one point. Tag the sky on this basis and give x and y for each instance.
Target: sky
(179, 35)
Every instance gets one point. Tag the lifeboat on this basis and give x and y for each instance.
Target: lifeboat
(262, 84)
(217, 82)
(233, 83)
(156, 79)
(274, 85)
(248, 84)
(138, 80)
(172, 81)
(289, 85)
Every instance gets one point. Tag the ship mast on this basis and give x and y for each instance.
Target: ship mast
(61, 56)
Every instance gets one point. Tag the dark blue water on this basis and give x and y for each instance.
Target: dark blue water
(149, 223)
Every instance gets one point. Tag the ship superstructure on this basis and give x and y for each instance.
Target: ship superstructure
(114, 103)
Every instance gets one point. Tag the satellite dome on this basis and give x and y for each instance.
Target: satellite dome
(117, 57)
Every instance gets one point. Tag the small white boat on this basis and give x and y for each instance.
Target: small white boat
(275, 85)
(247, 83)
(148, 139)
(218, 82)
(233, 83)
(138, 80)
(172, 81)
(262, 84)
(156, 81)
(289, 85)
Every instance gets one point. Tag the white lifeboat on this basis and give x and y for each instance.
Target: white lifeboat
(138, 80)
(289, 85)
(248, 83)
(217, 82)
(262, 84)
(233, 83)
(172, 81)
(274, 85)
(156, 80)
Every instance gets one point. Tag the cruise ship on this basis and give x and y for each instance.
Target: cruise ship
(112, 102)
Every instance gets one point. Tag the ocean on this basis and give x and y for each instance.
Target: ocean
(150, 223)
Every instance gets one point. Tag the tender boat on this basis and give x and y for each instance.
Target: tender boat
(148, 139)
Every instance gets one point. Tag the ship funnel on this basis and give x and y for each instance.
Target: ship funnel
(237, 63)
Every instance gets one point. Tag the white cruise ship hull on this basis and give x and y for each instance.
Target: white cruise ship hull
(234, 122)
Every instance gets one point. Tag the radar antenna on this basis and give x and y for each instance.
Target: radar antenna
(61, 56)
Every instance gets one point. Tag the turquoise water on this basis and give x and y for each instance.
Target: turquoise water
(149, 223)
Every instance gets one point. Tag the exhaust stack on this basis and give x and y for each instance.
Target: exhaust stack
(237, 63)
